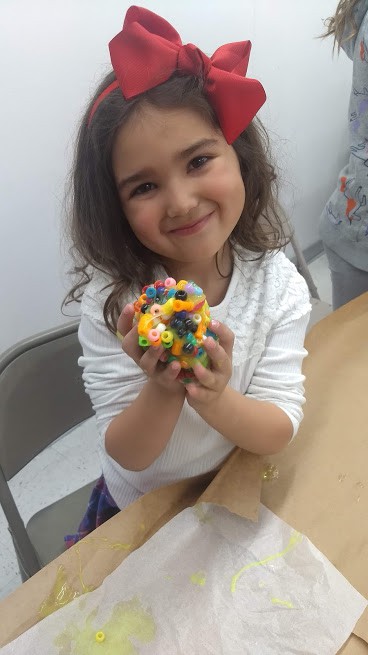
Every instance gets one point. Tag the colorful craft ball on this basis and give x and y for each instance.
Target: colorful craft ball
(176, 316)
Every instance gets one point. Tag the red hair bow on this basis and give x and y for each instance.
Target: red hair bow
(149, 50)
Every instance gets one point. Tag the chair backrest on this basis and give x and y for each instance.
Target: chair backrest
(41, 395)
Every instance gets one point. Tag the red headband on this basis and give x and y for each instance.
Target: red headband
(148, 51)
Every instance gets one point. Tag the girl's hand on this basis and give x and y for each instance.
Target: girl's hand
(152, 360)
(211, 382)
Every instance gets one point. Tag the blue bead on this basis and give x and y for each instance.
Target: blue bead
(170, 293)
(151, 292)
(181, 315)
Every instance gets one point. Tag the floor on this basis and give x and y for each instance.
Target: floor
(72, 461)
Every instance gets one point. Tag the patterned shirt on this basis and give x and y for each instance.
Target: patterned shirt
(344, 221)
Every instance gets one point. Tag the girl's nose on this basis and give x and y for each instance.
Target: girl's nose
(181, 199)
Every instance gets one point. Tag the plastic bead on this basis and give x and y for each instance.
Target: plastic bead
(100, 636)
(169, 282)
(155, 309)
(167, 336)
(176, 316)
(153, 335)
(168, 344)
(181, 294)
(182, 305)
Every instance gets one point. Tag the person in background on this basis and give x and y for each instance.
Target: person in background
(344, 221)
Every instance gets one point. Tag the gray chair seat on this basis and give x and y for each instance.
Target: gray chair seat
(47, 528)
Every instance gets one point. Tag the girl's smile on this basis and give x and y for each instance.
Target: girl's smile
(179, 184)
(194, 227)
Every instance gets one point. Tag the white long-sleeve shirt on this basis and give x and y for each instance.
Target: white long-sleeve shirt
(266, 306)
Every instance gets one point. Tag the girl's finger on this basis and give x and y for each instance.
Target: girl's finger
(171, 372)
(225, 335)
(205, 376)
(220, 359)
(125, 321)
(148, 361)
(131, 346)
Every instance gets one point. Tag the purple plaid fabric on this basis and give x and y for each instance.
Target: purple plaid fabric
(101, 507)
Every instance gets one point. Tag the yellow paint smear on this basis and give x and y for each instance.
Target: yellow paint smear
(198, 578)
(129, 621)
(295, 539)
(283, 603)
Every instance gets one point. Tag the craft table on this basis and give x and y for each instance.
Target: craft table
(319, 484)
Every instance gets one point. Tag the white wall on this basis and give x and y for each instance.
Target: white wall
(51, 56)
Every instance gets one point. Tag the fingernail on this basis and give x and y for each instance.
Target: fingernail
(215, 323)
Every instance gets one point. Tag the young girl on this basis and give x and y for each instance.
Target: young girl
(172, 178)
(344, 221)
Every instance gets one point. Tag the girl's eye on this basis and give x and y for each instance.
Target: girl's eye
(198, 162)
(142, 189)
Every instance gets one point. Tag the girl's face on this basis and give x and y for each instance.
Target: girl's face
(179, 183)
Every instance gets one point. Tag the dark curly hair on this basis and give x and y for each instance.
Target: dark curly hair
(101, 236)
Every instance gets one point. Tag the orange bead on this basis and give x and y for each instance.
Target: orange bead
(182, 305)
(176, 348)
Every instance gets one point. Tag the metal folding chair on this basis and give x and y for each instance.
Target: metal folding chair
(41, 397)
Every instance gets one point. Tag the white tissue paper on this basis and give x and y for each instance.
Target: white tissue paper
(208, 583)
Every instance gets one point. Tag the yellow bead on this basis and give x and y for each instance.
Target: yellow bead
(100, 636)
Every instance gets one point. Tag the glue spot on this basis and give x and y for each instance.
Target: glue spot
(60, 595)
(202, 513)
(283, 603)
(129, 623)
(271, 472)
(198, 578)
